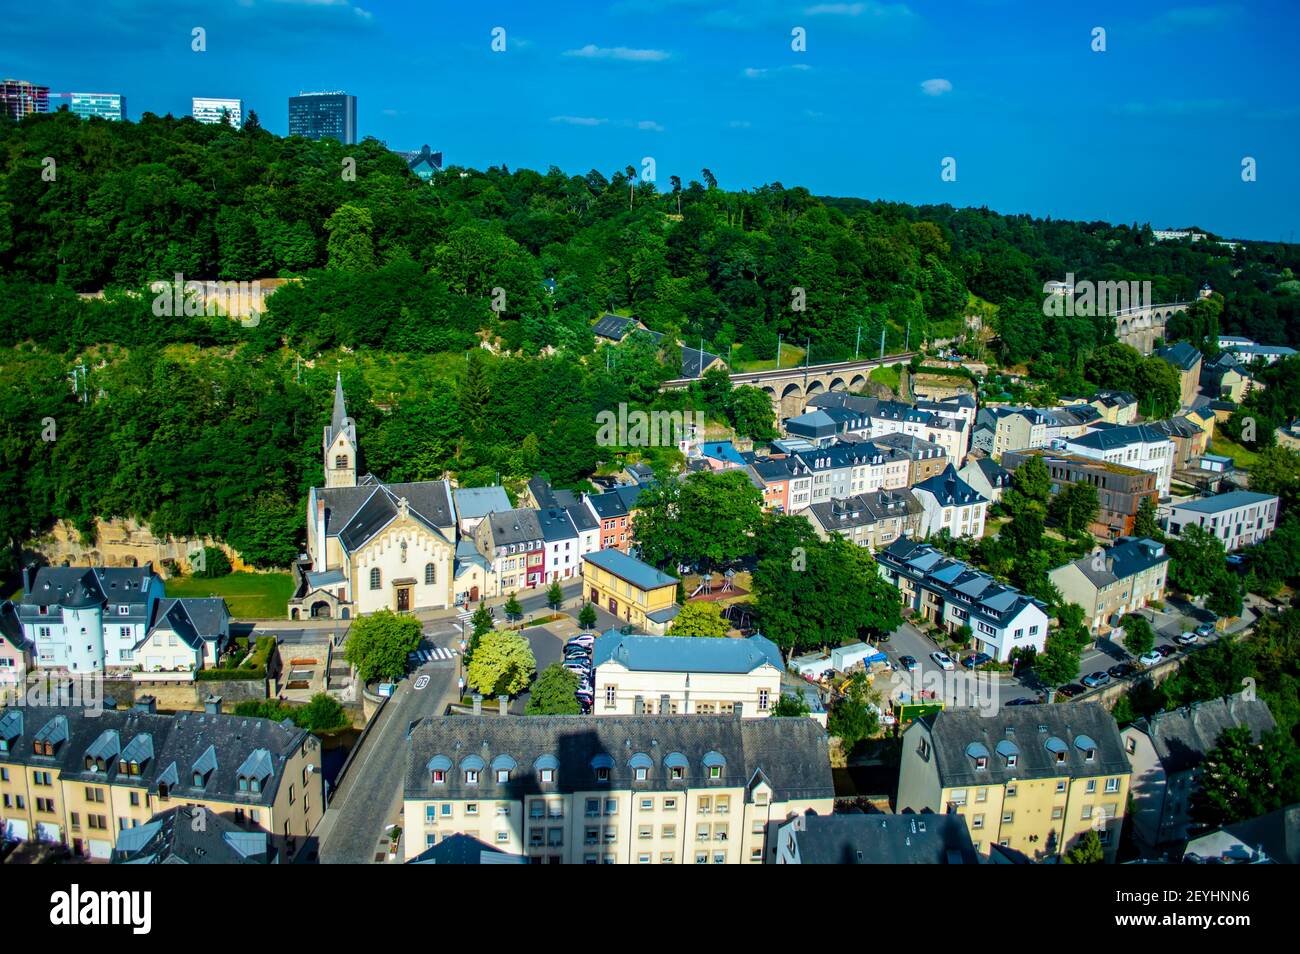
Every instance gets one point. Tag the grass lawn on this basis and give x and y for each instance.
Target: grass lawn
(1240, 455)
(791, 357)
(249, 595)
(890, 376)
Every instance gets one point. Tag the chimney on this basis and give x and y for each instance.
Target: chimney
(147, 704)
(478, 704)
(638, 705)
(212, 705)
(503, 705)
(27, 578)
(665, 704)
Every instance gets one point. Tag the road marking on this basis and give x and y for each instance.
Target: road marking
(421, 682)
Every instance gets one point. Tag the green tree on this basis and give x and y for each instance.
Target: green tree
(707, 519)
(323, 713)
(1224, 599)
(503, 664)
(699, 619)
(350, 246)
(1139, 637)
(210, 562)
(852, 718)
(587, 616)
(481, 623)
(1197, 560)
(1087, 850)
(1145, 523)
(378, 644)
(1242, 778)
(793, 705)
(512, 608)
(555, 595)
(554, 692)
(1277, 471)
(1075, 507)
(752, 415)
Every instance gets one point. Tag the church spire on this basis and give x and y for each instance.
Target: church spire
(340, 405)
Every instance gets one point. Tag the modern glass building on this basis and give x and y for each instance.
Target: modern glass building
(103, 105)
(211, 110)
(20, 98)
(330, 115)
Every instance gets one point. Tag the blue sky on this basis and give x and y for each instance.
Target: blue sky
(1153, 129)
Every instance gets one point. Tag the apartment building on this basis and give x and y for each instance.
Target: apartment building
(1123, 578)
(1134, 445)
(1120, 488)
(1186, 360)
(1190, 433)
(1115, 407)
(952, 594)
(569, 533)
(515, 546)
(950, 430)
(986, 477)
(842, 470)
(869, 520)
(635, 592)
(785, 482)
(1168, 750)
(79, 776)
(875, 839)
(926, 458)
(685, 675)
(1033, 778)
(615, 511)
(949, 503)
(615, 789)
(1239, 518)
(1022, 428)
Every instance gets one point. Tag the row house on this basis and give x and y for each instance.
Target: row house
(1190, 432)
(615, 511)
(569, 533)
(1115, 407)
(1021, 428)
(514, 545)
(1134, 445)
(1238, 518)
(952, 594)
(1120, 488)
(875, 417)
(925, 458)
(15, 648)
(842, 470)
(869, 520)
(1033, 779)
(1186, 360)
(786, 484)
(618, 789)
(1121, 579)
(80, 777)
(986, 477)
(949, 503)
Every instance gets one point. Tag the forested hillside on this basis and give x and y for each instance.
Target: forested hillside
(202, 425)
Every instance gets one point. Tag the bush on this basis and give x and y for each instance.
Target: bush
(210, 562)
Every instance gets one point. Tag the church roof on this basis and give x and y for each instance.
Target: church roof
(339, 420)
(367, 509)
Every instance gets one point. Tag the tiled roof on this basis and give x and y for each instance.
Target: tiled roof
(687, 653)
(640, 575)
(191, 835)
(1183, 737)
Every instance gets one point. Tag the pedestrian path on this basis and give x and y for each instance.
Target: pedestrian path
(422, 656)
(464, 615)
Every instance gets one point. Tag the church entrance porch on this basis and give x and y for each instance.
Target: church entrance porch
(402, 595)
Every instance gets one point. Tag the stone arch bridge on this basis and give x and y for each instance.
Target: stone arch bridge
(1142, 325)
(790, 388)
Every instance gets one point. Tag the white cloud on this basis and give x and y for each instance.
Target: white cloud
(754, 73)
(579, 120)
(936, 87)
(593, 52)
(649, 125)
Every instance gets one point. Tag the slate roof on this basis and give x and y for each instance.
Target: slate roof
(862, 839)
(1030, 729)
(581, 517)
(339, 420)
(1222, 502)
(1181, 355)
(812, 424)
(1114, 398)
(995, 474)
(11, 629)
(458, 849)
(862, 510)
(949, 490)
(475, 502)
(82, 586)
(613, 327)
(789, 753)
(355, 514)
(686, 653)
(769, 469)
(519, 526)
(1125, 558)
(178, 743)
(977, 592)
(1183, 737)
(695, 361)
(629, 568)
(193, 619)
(1277, 834)
(1111, 438)
(189, 835)
(617, 502)
(723, 451)
(556, 525)
(914, 447)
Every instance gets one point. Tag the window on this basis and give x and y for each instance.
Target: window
(503, 809)
(1112, 786)
(668, 832)
(471, 808)
(471, 776)
(503, 776)
(1011, 791)
(645, 831)
(670, 804)
(611, 696)
(640, 774)
(715, 771)
(981, 794)
(1060, 786)
(611, 806)
(1008, 817)
(439, 777)
(430, 575)
(1091, 786)
(977, 821)
(981, 763)
(374, 578)
(678, 772)
(1087, 812)
(503, 836)
(602, 774)
(647, 804)
(548, 775)
(1058, 812)
(1012, 759)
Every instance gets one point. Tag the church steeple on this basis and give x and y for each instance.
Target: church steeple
(340, 445)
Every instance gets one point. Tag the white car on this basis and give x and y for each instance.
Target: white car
(1150, 659)
(942, 660)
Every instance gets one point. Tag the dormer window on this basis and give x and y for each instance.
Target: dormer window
(439, 777)
(198, 779)
(471, 776)
(503, 776)
(981, 763)
(602, 774)
(548, 775)
(1012, 759)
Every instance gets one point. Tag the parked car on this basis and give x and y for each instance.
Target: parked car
(1070, 690)
(1186, 639)
(975, 660)
(1095, 679)
(882, 638)
(1166, 651)
(1206, 630)
(578, 666)
(1151, 658)
(943, 660)
(585, 640)
(1121, 671)
(577, 652)
(1022, 701)
(908, 663)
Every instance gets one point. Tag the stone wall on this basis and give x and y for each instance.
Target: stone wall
(119, 542)
(188, 696)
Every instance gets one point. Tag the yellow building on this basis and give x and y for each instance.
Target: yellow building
(1032, 778)
(629, 589)
(71, 775)
(615, 789)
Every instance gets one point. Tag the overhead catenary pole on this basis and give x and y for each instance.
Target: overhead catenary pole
(882, 341)
(857, 341)
(778, 352)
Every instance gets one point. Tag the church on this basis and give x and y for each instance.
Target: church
(373, 545)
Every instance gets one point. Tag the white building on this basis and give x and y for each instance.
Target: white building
(210, 111)
(1135, 445)
(951, 504)
(569, 533)
(1238, 518)
(685, 675)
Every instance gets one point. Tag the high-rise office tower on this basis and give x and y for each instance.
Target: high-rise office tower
(330, 115)
(211, 110)
(104, 105)
(20, 98)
